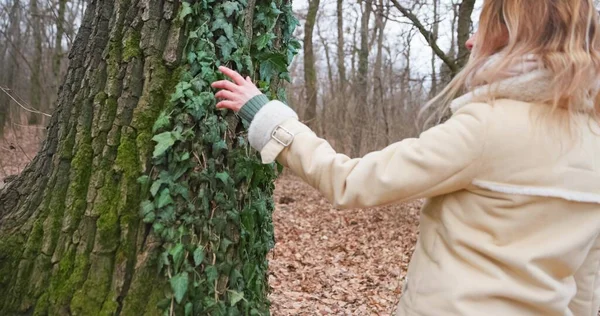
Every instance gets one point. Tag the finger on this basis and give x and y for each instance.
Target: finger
(234, 75)
(231, 105)
(225, 84)
(224, 94)
(249, 80)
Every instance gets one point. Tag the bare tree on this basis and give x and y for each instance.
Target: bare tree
(361, 87)
(341, 54)
(464, 28)
(310, 73)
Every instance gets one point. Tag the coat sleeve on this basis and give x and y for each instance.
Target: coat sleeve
(442, 160)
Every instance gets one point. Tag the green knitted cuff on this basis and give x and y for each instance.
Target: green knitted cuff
(252, 107)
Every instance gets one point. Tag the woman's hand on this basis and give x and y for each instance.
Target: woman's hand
(234, 94)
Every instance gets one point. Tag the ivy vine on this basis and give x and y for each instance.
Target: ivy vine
(209, 195)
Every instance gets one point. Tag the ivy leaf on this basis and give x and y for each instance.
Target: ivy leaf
(211, 274)
(164, 198)
(223, 176)
(155, 187)
(218, 147)
(235, 297)
(158, 228)
(179, 284)
(147, 207)
(149, 217)
(163, 121)
(226, 46)
(271, 63)
(186, 10)
(163, 259)
(230, 7)
(263, 40)
(164, 141)
(177, 253)
(198, 256)
(189, 309)
(222, 24)
(274, 9)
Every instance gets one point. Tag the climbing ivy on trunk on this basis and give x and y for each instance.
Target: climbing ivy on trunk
(209, 196)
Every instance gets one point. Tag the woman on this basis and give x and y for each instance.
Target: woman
(512, 221)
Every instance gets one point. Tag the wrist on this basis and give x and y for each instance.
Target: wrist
(249, 110)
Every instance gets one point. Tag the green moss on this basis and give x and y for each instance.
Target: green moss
(41, 306)
(127, 157)
(107, 228)
(109, 308)
(90, 298)
(162, 84)
(78, 187)
(131, 46)
(11, 250)
(56, 209)
(35, 239)
(61, 282)
(145, 291)
(113, 67)
(100, 98)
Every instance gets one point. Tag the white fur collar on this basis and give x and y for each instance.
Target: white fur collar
(526, 87)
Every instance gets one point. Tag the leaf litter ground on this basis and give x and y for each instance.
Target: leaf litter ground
(337, 262)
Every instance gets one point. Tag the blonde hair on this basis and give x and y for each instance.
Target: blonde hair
(563, 34)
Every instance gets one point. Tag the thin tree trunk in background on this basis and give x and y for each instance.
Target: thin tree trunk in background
(354, 48)
(322, 122)
(434, 33)
(378, 101)
(13, 40)
(310, 73)
(327, 60)
(362, 87)
(463, 30)
(341, 55)
(35, 90)
(58, 48)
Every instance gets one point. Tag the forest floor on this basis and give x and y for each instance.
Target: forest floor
(337, 262)
(325, 262)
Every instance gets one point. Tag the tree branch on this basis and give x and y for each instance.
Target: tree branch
(428, 37)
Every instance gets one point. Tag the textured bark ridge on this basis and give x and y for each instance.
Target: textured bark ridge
(71, 241)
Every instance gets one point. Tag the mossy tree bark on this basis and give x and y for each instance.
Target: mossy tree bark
(71, 238)
(71, 242)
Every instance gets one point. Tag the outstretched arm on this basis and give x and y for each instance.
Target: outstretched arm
(442, 160)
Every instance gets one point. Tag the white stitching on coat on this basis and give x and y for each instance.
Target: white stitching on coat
(568, 195)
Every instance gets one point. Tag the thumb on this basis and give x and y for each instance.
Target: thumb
(249, 79)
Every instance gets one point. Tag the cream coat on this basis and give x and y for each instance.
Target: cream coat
(512, 221)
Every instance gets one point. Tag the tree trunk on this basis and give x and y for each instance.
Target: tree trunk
(35, 83)
(341, 54)
(379, 114)
(465, 10)
(325, 45)
(310, 73)
(434, 32)
(362, 87)
(13, 40)
(57, 54)
(72, 241)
